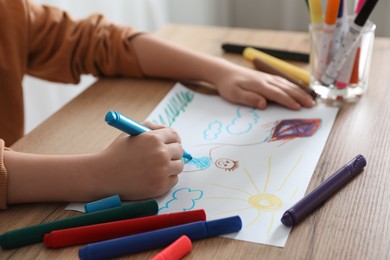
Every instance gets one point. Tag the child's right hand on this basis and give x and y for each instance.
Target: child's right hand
(142, 166)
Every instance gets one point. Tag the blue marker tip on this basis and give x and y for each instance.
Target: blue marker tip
(187, 156)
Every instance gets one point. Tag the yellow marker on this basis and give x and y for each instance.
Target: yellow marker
(315, 11)
(292, 70)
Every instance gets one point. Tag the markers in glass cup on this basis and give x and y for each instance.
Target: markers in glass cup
(344, 77)
(349, 42)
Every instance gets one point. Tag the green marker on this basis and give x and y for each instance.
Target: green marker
(35, 234)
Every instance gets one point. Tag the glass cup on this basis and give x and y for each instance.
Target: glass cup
(351, 81)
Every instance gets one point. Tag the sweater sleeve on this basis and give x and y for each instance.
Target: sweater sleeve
(3, 178)
(62, 49)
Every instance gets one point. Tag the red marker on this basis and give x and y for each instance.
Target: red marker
(105, 231)
(175, 251)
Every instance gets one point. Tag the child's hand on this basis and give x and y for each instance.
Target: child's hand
(142, 166)
(253, 88)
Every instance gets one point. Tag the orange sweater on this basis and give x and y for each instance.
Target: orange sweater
(46, 42)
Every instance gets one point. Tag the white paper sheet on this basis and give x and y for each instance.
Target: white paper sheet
(247, 162)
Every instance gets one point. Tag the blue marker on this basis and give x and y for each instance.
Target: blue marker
(102, 204)
(127, 125)
(159, 238)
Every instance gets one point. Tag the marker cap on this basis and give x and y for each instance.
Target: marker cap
(124, 123)
(287, 219)
(357, 164)
(365, 12)
(175, 251)
(111, 117)
(106, 203)
(224, 226)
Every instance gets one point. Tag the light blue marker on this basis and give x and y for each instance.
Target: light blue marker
(127, 125)
(102, 204)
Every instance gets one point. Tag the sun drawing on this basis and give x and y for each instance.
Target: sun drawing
(262, 200)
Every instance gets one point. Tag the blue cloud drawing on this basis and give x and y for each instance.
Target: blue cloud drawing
(243, 122)
(183, 199)
(213, 130)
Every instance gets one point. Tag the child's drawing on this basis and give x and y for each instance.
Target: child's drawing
(262, 200)
(204, 162)
(294, 128)
(182, 200)
(282, 130)
(254, 163)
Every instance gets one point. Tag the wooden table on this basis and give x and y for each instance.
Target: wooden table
(353, 224)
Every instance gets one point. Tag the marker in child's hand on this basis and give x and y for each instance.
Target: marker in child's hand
(131, 127)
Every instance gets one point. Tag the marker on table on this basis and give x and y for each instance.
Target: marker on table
(292, 70)
(127, 125)
(327, 35)
(102, 204)
(175, 251)
(35, 234)
(349, 42)
(281, 54)
(306, 205)
(159, 238)
(110, 230)
(267, 68)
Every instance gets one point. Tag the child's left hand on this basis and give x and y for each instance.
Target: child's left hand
(254, 88)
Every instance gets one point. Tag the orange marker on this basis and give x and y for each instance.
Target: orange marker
(332, 11)
(355, 69)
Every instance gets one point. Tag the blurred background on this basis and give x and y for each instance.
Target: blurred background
(43, 98)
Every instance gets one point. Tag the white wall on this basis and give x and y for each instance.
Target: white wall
(294, 15)
(200, 12)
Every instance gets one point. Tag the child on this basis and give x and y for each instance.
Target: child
(46, 42)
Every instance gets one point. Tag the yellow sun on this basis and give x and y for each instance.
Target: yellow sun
(262, 201)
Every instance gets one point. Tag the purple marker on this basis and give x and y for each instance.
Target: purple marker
(306, 205)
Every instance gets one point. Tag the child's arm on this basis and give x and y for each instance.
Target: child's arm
(159, 58)
(140, 167)
(96, 46)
